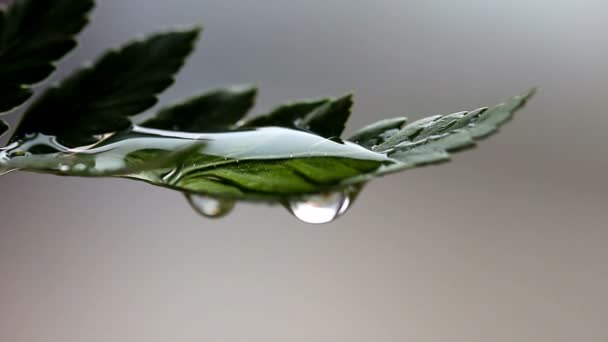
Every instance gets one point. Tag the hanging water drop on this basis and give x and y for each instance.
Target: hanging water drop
(209, 206)
(318, 209)
(326, 207)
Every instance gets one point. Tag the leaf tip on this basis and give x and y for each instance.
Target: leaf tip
(193, 32)
(528, 94)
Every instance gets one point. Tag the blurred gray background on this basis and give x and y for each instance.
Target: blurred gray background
(509, 242)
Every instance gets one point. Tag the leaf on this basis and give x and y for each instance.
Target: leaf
(329, 119)
(325, 117)
(270, 179)
(378, 132)
(263, 179)
(3, 127)
(287, 115)
(100, 98)
(430, 139)
(33, 35)
(213, 111)
(271, 164)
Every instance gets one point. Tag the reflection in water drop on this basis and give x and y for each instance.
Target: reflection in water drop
(345, 205)
(318, 209)
(350, 196)
(209, 206)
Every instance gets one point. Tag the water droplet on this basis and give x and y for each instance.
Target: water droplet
(324, 208)
(209, 206)
(64, 167)
(318, 209)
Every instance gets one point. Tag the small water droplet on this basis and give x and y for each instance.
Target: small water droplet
(64, 167)
(209, 206)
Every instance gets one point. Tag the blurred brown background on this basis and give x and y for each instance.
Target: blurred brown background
(509, 242)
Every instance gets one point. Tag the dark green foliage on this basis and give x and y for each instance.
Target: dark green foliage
(329, 119)
(218, 110)
(325, 117)
(34, 34)
(288, 115)
(100, 99)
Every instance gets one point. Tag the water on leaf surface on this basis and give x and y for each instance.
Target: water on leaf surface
(272, 164)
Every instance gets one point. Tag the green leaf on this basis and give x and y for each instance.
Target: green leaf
(430, 139)
(271, 164)
(3, 127)
(213, 111)
(325, 117)
(271, 179)
(378, 132)
(329, 119)
(100, 99)
(287, 115)
(33, 35)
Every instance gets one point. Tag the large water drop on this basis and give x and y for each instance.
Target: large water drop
(209, 206)
(321, 208)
